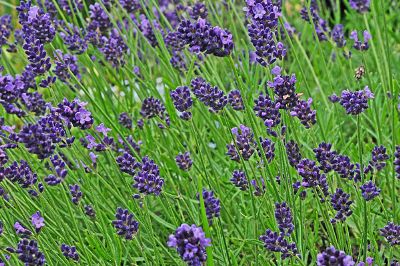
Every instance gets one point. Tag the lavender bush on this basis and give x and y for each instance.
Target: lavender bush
(257, 132)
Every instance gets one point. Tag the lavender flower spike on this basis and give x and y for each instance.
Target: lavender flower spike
(37, 221)
(190, 242)
(125, 224)
(331, 257)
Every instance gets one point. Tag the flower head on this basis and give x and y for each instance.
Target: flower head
(37, 221)
(69, 252)
(125, 223)
(369, 190)
(147, 179)
(356, 102)
(190, 242)
(331, 257)
(391, 232)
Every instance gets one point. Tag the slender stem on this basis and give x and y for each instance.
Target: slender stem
(360, 153)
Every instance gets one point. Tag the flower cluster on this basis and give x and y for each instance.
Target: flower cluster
(212, 205)
(182, 101)
(262, 28)
(74, 113)
(341, 203)
(312, 177)
(276, 242)
(29, 253)
(211, 96)
(69, 252)
(369, 190)
(284, 218)
(200, 36)
(362, 6)
(239, 180)
(397, 161)
(354, 102)
(114, 49)
(293, 152)
(235, 100)
(147, 179)
(190, 242)
(184, 161)
(358, 45)
(391, 232)
(331, 256)
(125, 223)
(244, 144)
(378, 160)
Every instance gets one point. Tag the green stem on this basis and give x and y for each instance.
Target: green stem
(360, 153)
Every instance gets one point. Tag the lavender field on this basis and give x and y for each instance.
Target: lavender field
(215, 132)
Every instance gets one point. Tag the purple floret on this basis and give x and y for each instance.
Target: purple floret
(184, 161)
(69, 252)
(276, 242)
(29, 253)
(333, 257)
(369, 190)
(356, 102)
(391, 232)
(341, 204)
(190, 242)
(125, 224)
(147, 179)
(284, 218)
(239, 180)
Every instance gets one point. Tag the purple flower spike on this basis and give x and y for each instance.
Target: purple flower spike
(69, 252)
(369, 190)
(37, 221)
(184, 161)
(397, 161)
(268, 111)
(361, 6)
(276, 242)
(378, 161)
(244, 144)
(65, 65)
(211, 96)
(338, 35)
(312, 177)
(127, 163)
(147, 179)
(29, 253)
(356, 102)
(114, 49)
(190, 242)
(212, 205)
(391, 232)
(21, 230)
(239, 180)
(76, 193)
(235, 100)
(198, 10)
(182, 101)
(304, 113)
(341, 203)
(130, 5)
(284, 218)
(358, 45)
(293, 153)
(331, 257)
(125, 224)
(89, 211)
(268, 149)
(125, 120)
